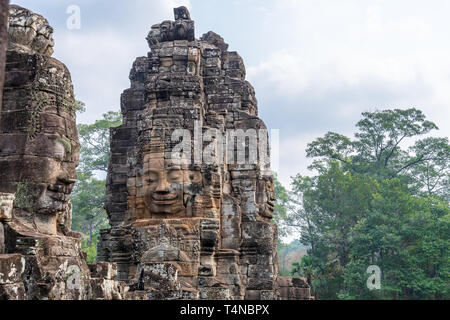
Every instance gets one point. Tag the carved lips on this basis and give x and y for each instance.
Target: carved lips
(164, 199)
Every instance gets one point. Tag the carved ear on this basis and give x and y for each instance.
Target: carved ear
(188, 200)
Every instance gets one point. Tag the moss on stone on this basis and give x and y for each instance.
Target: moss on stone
(22, 195)
(67, 145)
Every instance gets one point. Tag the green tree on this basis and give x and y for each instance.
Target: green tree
(408, 238)
(324, 209)
(283, 250)
(287, 254)
(88, 199)
(304, 268)
(94, 139)
(281, 206)
(377, 148)
(375, 202)
(432, 176)
(79, 106)
(88, 196)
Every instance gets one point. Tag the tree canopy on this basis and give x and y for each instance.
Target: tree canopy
(88, 196)
(375, 201)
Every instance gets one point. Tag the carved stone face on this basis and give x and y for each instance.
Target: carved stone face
(266, 196)
(42, 173)
(166, 33)
(39, 148)
(271, 198)
(165, 190)
(50, 193)
(180, 29)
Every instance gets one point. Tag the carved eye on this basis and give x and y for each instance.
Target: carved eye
(175, 176)
(193, 177)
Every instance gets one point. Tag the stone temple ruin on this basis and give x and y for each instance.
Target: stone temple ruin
(189, 189)
(40, 257)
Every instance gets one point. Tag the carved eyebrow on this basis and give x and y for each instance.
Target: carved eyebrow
(150, 171)
(174, 168)
(174, 173)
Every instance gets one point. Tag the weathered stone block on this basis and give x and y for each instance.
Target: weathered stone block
(12, 291)
(6, 206)
(103, 270)
(104, 289)
(215, 294)
(11, 268)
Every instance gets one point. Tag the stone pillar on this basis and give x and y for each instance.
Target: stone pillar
(207, 217)
(2, 238)
(6, 208)
(39, 147)
(4, 12)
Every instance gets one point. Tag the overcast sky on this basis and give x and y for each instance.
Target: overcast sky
(316, 65)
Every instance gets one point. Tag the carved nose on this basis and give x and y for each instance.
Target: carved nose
(163, 186)
(67, 179)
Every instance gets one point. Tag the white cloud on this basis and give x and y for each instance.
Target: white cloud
(101, 54)
(155, 9)
(316, 65)
(293, 157)
(328, 62)
(100, 62)
(293, 74)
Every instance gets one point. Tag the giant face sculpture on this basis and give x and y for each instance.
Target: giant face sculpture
(181, 29)
(39, 167)
(207, 216)
(165, 189)
(39, 148)
(265, 196)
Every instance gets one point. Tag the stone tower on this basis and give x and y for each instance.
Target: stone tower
(40, 256)
(37, 128)
(190, 192)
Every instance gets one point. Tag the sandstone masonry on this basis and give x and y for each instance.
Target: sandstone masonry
(189, 229)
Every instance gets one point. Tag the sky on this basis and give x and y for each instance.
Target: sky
(316, 65)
